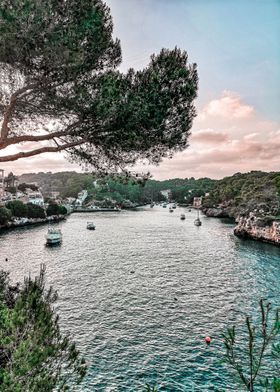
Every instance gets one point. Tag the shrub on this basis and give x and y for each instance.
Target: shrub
(56, 209)
(34, 354)
(17, 208)
(34, 211)
(5, 215)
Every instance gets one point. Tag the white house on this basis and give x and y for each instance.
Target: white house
(36, 198)
(81, 197)
(197, 201)
(166, 193)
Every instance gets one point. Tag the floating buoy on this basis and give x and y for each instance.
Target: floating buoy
(208, 340)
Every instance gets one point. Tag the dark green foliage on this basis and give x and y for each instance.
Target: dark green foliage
(34, 211)
(22, 187)
(121, 187)
(60, 59)
(34, 354)
(248, 357)
(56, 209)
(11, 189)
(247, 192)
(17, 208)
(5, 215)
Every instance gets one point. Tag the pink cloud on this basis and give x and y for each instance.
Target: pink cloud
(229, 106)
(208, 136)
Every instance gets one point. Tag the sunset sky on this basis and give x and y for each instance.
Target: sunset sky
(237, 48)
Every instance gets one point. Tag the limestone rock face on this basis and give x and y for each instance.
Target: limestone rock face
(258, 228)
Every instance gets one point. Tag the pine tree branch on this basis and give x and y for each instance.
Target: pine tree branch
(15, 157)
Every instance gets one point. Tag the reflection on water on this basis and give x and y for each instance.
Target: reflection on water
(142, 291)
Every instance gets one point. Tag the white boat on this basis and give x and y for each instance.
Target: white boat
(174, 206)
(183, 217)
(90, 226)
(54, 236)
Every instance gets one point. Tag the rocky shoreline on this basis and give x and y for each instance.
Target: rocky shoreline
(257, 228)
(253, 225)
(32, 222)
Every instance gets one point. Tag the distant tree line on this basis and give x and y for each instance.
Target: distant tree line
(120, 188)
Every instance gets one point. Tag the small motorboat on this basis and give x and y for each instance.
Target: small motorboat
(171, 209)
(174, 206)
(90, 226)
(197, 222)
(54, 236)
(182, 216)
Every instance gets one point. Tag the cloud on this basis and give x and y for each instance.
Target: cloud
(228, 106)
(209, 136)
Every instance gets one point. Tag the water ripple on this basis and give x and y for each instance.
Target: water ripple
(141, 292)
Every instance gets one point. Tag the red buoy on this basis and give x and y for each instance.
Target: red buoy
(208, 340)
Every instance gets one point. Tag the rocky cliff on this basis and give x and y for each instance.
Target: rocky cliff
(253, 200)
(258, 228)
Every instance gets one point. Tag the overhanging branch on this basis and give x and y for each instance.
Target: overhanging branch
(23, 154)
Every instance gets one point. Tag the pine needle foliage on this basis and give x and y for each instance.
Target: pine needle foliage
(34, 354)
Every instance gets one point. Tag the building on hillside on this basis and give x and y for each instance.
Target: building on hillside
(197, 202)
(11, 181)
(1, 183)
(81, 197)
(70, 200)
(167, 194)
(36, 198)
(54, 194)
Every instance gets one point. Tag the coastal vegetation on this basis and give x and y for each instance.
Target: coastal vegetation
(5, 216)
(247, 355)
(34, 354)
(119, 188)
(243, 193)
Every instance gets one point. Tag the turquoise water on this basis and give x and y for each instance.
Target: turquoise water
(140, 293)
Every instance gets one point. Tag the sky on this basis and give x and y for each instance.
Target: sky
(236, 46)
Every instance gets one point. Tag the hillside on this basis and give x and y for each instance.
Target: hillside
(241, 194)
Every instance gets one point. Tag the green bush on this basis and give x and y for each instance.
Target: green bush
(17, 208)
(56, 209)
(34, 354)
(5, 215)
(34, 211)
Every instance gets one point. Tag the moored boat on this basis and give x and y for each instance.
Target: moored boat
(183, 217)
(53, 236)
(90, 226)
